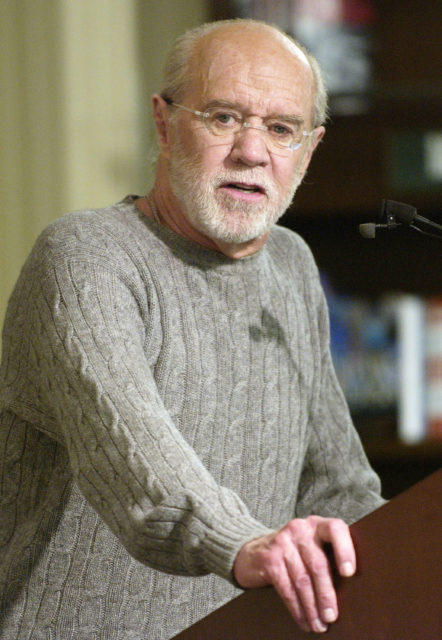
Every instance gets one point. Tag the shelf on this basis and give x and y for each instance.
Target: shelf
(395, 451)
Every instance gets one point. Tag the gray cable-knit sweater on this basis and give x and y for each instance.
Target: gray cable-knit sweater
(160, 405)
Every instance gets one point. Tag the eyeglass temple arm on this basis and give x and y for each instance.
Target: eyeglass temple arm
(171, 103)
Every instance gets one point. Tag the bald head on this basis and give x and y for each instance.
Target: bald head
(232, 46)
(254, 32)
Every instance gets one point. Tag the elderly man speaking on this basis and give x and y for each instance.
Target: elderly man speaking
(171, 427)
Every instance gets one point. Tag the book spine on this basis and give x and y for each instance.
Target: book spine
(434, 367)
(411, 369)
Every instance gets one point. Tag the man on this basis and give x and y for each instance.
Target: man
(171, 425)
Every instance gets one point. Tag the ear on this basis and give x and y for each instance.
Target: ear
(318, 134)
(162, 122)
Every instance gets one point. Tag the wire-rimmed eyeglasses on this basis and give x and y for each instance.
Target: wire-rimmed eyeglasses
(226, 121)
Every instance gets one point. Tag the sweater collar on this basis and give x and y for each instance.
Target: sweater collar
(195, 254)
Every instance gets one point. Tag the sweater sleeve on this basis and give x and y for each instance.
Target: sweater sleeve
(337, 480)
(128, 458)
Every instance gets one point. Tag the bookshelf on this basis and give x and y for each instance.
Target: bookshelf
(401, 261)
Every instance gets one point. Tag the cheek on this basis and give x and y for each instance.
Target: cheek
(211, 158)
(284, 173)
(203, 153)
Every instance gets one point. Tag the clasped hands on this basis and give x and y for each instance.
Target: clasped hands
(293, 560)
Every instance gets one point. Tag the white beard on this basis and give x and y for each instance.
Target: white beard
(217, 215)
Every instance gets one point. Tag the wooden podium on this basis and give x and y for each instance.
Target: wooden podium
(395, 595)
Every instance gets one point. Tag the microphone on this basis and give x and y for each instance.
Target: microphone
(368, 229)
(397, 214)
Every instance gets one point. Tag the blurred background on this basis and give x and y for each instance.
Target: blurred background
(76, 132)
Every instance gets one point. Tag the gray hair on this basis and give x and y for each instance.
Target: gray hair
(178, 71)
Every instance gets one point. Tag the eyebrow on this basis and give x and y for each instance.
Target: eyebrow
(295, 119)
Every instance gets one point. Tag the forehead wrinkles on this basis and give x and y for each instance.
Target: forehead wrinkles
(242, 65)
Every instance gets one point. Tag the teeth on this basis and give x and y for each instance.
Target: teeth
(243, 187)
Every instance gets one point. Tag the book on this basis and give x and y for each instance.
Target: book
(388, 358)
(433, 373)
(410, 320)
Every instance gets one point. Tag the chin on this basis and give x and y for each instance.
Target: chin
(241, 237)
(235, 238)
(230, 229)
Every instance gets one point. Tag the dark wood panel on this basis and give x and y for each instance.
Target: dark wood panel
(408, 51)
(399, 559)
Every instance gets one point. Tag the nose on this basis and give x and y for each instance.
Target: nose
(249, 146)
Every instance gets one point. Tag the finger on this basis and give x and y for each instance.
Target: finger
(337, 533)
(282, 582)
(315, 588)
(304, 588)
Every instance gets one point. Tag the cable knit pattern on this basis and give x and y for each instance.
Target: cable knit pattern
(160, 405)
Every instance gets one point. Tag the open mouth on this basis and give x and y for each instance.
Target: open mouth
(243, 187)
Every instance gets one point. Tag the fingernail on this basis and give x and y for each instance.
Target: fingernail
(329, 615)
(347, 569)
(319, 626)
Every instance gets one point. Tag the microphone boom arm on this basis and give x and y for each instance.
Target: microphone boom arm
(397, 214)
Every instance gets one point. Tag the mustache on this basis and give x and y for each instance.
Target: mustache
(249, 176)
(195, 172)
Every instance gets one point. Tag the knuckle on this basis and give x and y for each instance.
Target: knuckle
(337, 526)
(296, 524)
(280, 542)
(281, 537)
(306, 550)
(269, 560)
(298, 528)
(302, 581)
(319, 567)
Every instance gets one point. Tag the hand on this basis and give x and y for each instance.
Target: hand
(294, 562)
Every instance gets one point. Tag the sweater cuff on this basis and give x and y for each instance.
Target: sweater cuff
(222, 545)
